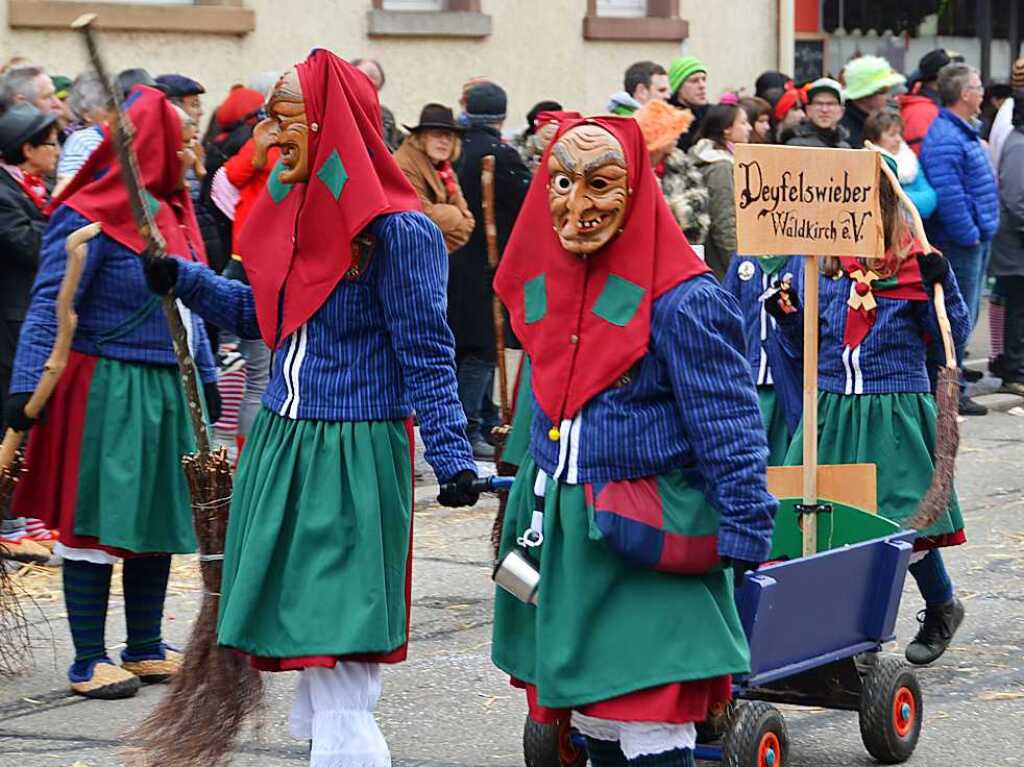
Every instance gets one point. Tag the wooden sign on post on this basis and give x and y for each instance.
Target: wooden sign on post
(809, 202)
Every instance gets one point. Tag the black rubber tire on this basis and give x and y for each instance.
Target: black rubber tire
(878, 726)
(749, 725)
(540, 746)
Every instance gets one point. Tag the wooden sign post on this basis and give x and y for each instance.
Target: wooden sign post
(809, 202)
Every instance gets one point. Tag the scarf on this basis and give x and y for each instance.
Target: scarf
(446, 173)
(300, 239)
(31, 184)
(98, 191)
(586, 321)
(866, 287)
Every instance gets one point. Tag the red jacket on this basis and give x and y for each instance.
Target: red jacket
(918, 111)
(249, 181)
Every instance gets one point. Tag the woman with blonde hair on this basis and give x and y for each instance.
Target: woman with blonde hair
(876, 404)
(426, 159)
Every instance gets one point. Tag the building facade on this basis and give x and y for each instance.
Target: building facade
(574, 51)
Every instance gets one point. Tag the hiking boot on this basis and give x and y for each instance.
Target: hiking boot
(483, 451)
(969, 407)
(1012, 387)
(938, 625)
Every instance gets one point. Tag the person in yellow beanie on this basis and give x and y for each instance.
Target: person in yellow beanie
(869, 81)
(688, 81)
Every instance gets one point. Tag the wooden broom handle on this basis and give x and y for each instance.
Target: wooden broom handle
(67, 323)
(919, 232)
(493, 258)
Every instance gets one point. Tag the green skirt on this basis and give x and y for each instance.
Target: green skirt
(604, 628)
(774, 425)
(316, 561)
(517, 443)
(104, 466)
(896, 432)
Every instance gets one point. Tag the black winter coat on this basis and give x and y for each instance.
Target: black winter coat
(469, 275)
(21, 234)
(809, 134)
(853, 120)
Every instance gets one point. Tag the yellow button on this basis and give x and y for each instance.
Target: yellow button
(554, 434)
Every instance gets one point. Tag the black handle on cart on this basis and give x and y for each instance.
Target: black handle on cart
(490, 484)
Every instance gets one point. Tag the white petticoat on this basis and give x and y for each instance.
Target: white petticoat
(638, 738)
(334, 709)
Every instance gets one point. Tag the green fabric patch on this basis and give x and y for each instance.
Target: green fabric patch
(772, 264)
(618, 301)
(535, 299)
(333, 174)
(152, 204)
(276, 187)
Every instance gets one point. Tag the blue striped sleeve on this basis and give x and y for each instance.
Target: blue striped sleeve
(39, 330)
(226, 303)
(722, 419)
(413, 292)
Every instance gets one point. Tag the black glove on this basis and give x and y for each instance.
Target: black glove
(458, 491)
(213, 401)
(14, 412)
(162, 275)
(740, 567)
(781, 301)
(934, 267)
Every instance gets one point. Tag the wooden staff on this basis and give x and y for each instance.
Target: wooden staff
(491, 231)
(67, 323)
(810, 468)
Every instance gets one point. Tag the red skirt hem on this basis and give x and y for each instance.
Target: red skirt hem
(674, 703)
(940, 541)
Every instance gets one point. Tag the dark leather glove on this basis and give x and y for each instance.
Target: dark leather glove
(213, 401)
(162, 275)
(458, 491)
(934, 267)
(781, 301)
(14, 412)
(740, 567)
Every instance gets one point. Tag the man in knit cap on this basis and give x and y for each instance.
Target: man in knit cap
(921, 106)
(869, 80)
(688, 79)
(469, 275)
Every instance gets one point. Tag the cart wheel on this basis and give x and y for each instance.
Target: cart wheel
(757, 737)
(543, 747)
(891, 711)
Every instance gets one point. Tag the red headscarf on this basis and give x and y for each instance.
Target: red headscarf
(297, 244)
(591, 317)
(98, 191)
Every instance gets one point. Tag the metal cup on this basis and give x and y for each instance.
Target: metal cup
(518, 575)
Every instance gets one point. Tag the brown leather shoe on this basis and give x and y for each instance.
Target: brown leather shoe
(155, 670)
(108, 682)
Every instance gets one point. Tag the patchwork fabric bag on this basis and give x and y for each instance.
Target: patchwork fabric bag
(661, 522)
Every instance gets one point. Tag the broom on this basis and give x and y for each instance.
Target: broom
(13, 626)
(216, 690)
(947, 391)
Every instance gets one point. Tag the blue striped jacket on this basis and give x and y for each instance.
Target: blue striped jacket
(118, 317)
(377, 348)
(892, 357)
(689, 403)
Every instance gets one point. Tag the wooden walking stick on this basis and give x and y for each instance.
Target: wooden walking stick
(216, 690)
(14, 638)
(947, 388)
(493, 258)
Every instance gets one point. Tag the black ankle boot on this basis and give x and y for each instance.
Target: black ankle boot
(605, 753)
(938, 625)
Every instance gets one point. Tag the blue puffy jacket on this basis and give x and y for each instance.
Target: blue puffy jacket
(957, 166)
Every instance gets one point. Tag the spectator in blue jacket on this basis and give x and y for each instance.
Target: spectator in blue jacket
(957, 166)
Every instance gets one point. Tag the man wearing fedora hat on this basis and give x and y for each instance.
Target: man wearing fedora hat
(28, 151)
(426, 158)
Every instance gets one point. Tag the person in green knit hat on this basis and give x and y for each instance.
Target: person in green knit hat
(644, 480)
(875, 403)
(688, 82)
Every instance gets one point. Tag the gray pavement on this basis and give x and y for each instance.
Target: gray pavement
(449, 707)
